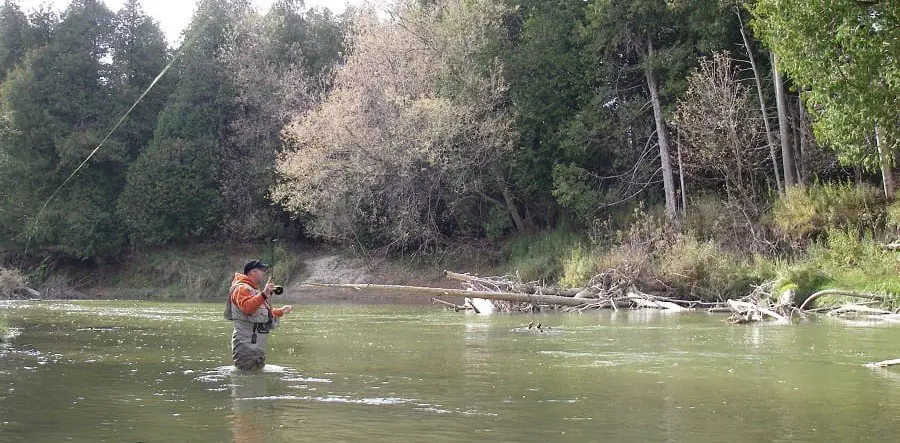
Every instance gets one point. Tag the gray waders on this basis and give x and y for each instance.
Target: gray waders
(248, 341)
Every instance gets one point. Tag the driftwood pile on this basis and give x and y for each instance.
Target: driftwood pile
(614, 290)
(610, 290)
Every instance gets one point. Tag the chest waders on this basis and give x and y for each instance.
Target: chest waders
(248, 341)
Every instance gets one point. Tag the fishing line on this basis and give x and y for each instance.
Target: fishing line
(37, 217)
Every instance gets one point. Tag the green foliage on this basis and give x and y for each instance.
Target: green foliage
(703, 269)
(843, 54)
(498, 223)
(171, 192)
(13, 29)
(805, 214)
(574, 189)
(12, 282)
(804, 278)
(194, 272)
(541, 257)
(845, 260)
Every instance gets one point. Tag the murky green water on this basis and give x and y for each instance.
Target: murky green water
(130, 371)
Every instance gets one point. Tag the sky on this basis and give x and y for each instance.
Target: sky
(174, 15)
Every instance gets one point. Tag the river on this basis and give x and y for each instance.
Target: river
(138, 371)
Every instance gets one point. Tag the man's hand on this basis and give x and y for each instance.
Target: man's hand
(287, 309)
(270, 287)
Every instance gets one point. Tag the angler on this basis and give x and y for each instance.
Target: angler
(253, 318)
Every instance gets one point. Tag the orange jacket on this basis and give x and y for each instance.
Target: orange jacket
(244, 298)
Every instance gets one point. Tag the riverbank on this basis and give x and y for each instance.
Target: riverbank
(827, 237)
(203, 272)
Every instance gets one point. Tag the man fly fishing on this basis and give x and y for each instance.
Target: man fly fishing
(253, 318)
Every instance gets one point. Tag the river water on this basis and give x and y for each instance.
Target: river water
(138, 371)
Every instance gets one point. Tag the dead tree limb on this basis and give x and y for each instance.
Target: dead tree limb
(839, 292)
(430, 292)
(509, 285)
(884, 363)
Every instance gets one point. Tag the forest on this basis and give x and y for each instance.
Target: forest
(698, 147)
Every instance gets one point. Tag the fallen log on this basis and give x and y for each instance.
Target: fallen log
(858, 309)
(892, 246)
(884, 363)
(456, 308)
(430, 292)
(839, 292)
(753, 312)
(500, 283)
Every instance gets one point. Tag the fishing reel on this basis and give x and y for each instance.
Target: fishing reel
(278, 290)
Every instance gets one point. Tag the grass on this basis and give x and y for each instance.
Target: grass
(832, 235)
(542, 256)
(844, 260)
(196, 272)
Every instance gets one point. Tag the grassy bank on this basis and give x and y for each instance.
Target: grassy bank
(190, 272)
(197, 272)
(824, 237)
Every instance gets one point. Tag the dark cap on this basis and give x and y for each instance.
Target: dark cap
(254, 265)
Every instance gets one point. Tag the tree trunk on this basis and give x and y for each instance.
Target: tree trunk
(795, 139)
(681, 179)
(787, 153)
(661, 134)
(510, 202)
(770, 137)
(887, 173)
(804, 142)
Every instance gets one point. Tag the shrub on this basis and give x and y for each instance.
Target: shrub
(804, 215)
(579, 267)
(893, 219)
(707, 217)
(844, 261)
(804, 278)
(703, 269)
(12, 282)
(541, 256)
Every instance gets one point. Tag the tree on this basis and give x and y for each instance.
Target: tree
(139, 54)
(843, 56)
(715, 118)
(185, 150)
(13, 29)
(757, 78)
(659, 38)
(412, 131)
(550, 83)
(267, 70)
(57, 106)
(784, 126)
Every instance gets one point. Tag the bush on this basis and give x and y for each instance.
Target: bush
(893, 219)
(703, 269)
(12, 282)
(707, 217)
(541, 257)
(843, 261)
(579, 267)
(804, 278)
(197, 272)
(805, 215)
